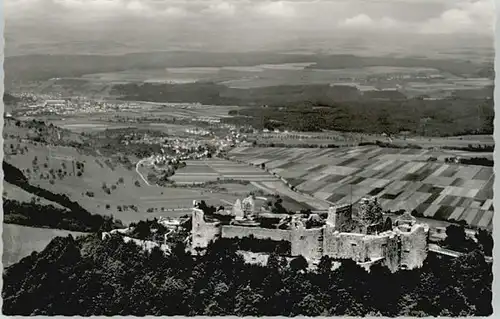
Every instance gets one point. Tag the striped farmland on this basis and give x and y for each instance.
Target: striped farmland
(402, 178)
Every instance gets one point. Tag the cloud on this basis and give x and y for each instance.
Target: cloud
(208, 20)
(174, 12)
(329, 13)
(361, 20)
(44, 12)
(277, 8)
(222, 8)
(466, 17)
(365, 22)
(462, 16)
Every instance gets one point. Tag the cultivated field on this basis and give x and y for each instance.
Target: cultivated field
(401, 178)
(237, 188)
(353, 139)
(216, 169)
(184, 110)
(21, 241)
(101, 122)
(299, 199)
(268, 75)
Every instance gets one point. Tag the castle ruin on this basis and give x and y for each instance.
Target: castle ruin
(342, 232)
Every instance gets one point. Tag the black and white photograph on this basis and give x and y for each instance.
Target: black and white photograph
(248, 158)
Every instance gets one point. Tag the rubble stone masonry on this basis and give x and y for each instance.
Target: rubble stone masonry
(307, 242)
(232, 231)
(392, 252)
(203, 232)
(414, 246)
(404, 246)
(339, 215)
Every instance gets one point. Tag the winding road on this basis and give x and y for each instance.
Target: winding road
(138, 172)
(455, 254)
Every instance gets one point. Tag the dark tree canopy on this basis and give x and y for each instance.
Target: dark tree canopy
(109, 277)
(485, 240)
(387, 224)
(298, 263)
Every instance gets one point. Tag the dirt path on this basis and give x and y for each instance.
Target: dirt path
(138, 172)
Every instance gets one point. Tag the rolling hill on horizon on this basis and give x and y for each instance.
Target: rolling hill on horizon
(45, 66)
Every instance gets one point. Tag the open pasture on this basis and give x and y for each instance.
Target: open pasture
(90, 127)
(79, 126)
(106, 187)
(14, 192)
(401, 178)
(21, 241)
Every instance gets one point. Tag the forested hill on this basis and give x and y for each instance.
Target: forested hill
(89, 276)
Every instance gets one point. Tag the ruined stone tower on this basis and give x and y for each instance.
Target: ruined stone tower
(248, 205)
(370, 214)
(338, 216)
(202, 232)
(238, 210)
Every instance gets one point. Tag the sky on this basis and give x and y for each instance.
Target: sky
(244, 21)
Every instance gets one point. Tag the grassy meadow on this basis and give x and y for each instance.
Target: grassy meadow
(104, 186)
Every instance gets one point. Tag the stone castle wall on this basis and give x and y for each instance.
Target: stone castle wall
(343, 245)
(375, 246)
(339, 215)
(395, 249)
(393, 253)
(307, 242)
(414, 247)
(203, 232)
(231, 231)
